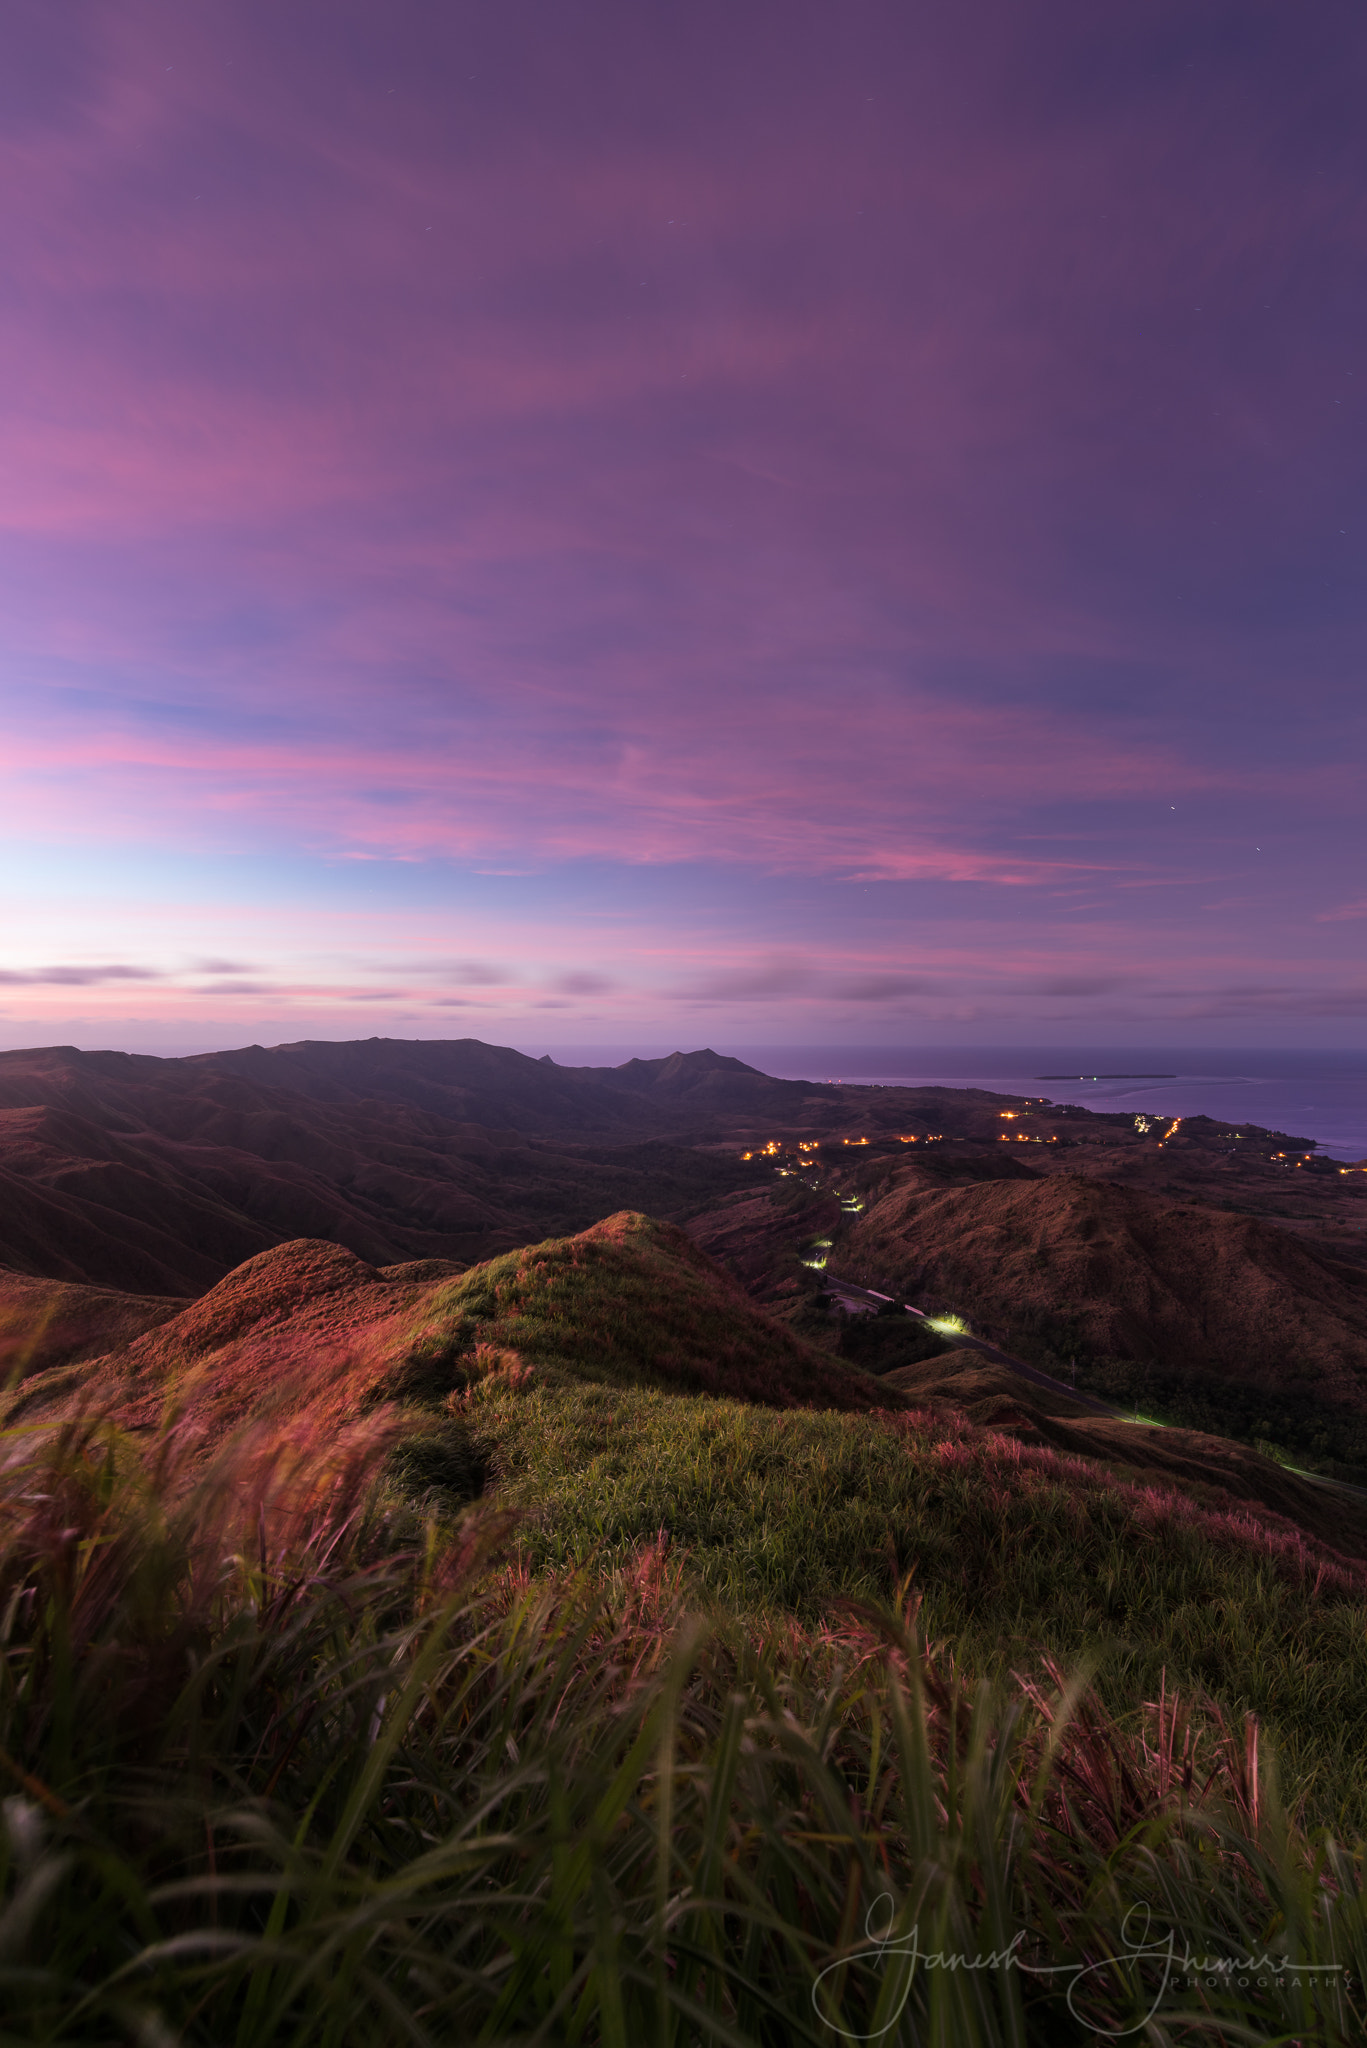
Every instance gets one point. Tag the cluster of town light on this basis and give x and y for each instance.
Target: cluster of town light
(808, 1145)
(1012, 1116)
(1144, 1124)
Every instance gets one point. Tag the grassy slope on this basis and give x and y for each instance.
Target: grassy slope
(55, 1322)
(571, 1373)
(279, 1777)
(633, 1300)
(1220, 1322)
(1211, 1468)
(309, 1328)
(1015, 1550)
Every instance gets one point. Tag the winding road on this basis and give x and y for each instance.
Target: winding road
(865, 1300)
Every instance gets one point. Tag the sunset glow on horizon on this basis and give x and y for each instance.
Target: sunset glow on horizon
(729, 524)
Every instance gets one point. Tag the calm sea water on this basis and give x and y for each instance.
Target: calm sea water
(1317, 1095)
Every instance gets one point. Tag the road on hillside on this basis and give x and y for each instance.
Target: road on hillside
(864, 1300)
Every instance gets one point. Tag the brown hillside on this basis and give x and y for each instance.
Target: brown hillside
(308, 1328)
(160, 1176)
(976, 1384)
(1213, 1469)
(51, 1322)
(1116, 1272)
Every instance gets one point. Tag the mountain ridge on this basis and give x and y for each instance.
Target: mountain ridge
(158, 1176)
(307, 1325)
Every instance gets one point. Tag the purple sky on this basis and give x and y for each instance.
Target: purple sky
(655, 524)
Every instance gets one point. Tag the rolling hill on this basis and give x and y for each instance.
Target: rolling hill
(1221, 1322)
(309, 1329)
(615, 1388)
(1212, 1469)
(160, 1176)
(1116, 1272)
(45, 1323)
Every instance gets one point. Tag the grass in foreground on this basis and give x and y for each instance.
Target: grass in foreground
(1015, 1551)
(281, 1773)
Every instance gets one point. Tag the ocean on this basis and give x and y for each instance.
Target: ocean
(1319, 1095)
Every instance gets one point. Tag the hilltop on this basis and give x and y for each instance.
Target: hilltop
(307, 1328)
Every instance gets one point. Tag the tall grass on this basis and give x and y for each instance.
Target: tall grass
(285, 1766)
(1015, 1550)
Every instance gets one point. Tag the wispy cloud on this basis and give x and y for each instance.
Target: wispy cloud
(940, 483)
(76, 977)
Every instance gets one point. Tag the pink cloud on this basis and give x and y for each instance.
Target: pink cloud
(444, 443)
(874, 788)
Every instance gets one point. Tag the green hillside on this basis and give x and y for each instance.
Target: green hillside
(565, 1650)
(631, 1300)
(1015, 1552)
